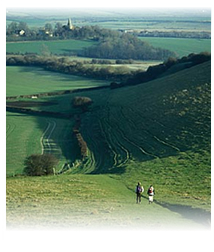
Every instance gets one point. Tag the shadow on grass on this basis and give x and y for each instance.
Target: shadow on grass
(197, 215)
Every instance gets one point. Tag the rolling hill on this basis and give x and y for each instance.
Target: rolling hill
(157, 132)
(153, 120)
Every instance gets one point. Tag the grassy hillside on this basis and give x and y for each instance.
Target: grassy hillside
(157, 119)
(33, 80)
(25, 135)
(157, 132)
(91, 201)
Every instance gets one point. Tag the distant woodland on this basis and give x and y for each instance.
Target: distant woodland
(111, 43)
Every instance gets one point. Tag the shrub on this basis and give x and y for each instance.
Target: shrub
(40, 164)
(81, 102)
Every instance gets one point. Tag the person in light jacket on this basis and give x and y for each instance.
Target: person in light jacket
(151, 193)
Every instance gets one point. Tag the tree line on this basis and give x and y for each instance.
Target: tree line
(156, 71)
(176, 34)
(112, 44)
(64, 65)
(115, 74)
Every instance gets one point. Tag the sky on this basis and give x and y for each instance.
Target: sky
(109, 3)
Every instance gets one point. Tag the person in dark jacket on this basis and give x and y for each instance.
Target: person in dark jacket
(139, 190)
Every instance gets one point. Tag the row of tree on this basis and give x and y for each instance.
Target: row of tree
(43, 164)
(63, 65)
(122, 74)
(176, 34)
(158, 70)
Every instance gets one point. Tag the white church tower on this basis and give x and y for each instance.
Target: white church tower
(69, 25)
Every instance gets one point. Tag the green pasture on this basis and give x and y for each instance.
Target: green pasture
(71, 47)
(152, 25)
(92, 201)
(156, 133)
(24, 131)
(22, 139)
(24, 135)
(32, 80)
(157, 136)
(182, 46)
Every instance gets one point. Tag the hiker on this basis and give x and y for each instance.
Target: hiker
(139, 190)
(151, 193)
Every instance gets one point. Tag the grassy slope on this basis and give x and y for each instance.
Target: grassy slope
(88, 201)
(31, 80)
(153, 120)
(157, 133)
(164, 127)
(24, 134)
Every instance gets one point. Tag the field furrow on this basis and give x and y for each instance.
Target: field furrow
(9, 129)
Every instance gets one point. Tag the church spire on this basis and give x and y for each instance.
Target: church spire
(70, 26)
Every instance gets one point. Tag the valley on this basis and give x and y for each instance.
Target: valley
(156, 131)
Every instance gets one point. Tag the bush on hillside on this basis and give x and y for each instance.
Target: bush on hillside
(81, 102)
(40, 164)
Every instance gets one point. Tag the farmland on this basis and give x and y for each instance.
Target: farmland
(71, 47)
(157, 132)
(24, 129)
(181, 46)
(120, 154)
(36, 80)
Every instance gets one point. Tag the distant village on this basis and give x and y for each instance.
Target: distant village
(47, 30)
(21, 31)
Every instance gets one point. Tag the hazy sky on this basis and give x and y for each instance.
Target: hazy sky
(108, 3)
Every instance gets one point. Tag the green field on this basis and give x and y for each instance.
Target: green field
(179, 45)
(92, 201)
(182, 46)
(25, 136)
(26, 131)
(162, 137)
(157, 132)
(71, 47)
(31, 80)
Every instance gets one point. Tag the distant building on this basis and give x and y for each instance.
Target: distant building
(69, 25)
(20, 32)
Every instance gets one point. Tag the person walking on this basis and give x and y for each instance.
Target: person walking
(151, 193)
(139, 190)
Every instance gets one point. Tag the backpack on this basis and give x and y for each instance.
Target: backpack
(139, 189)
